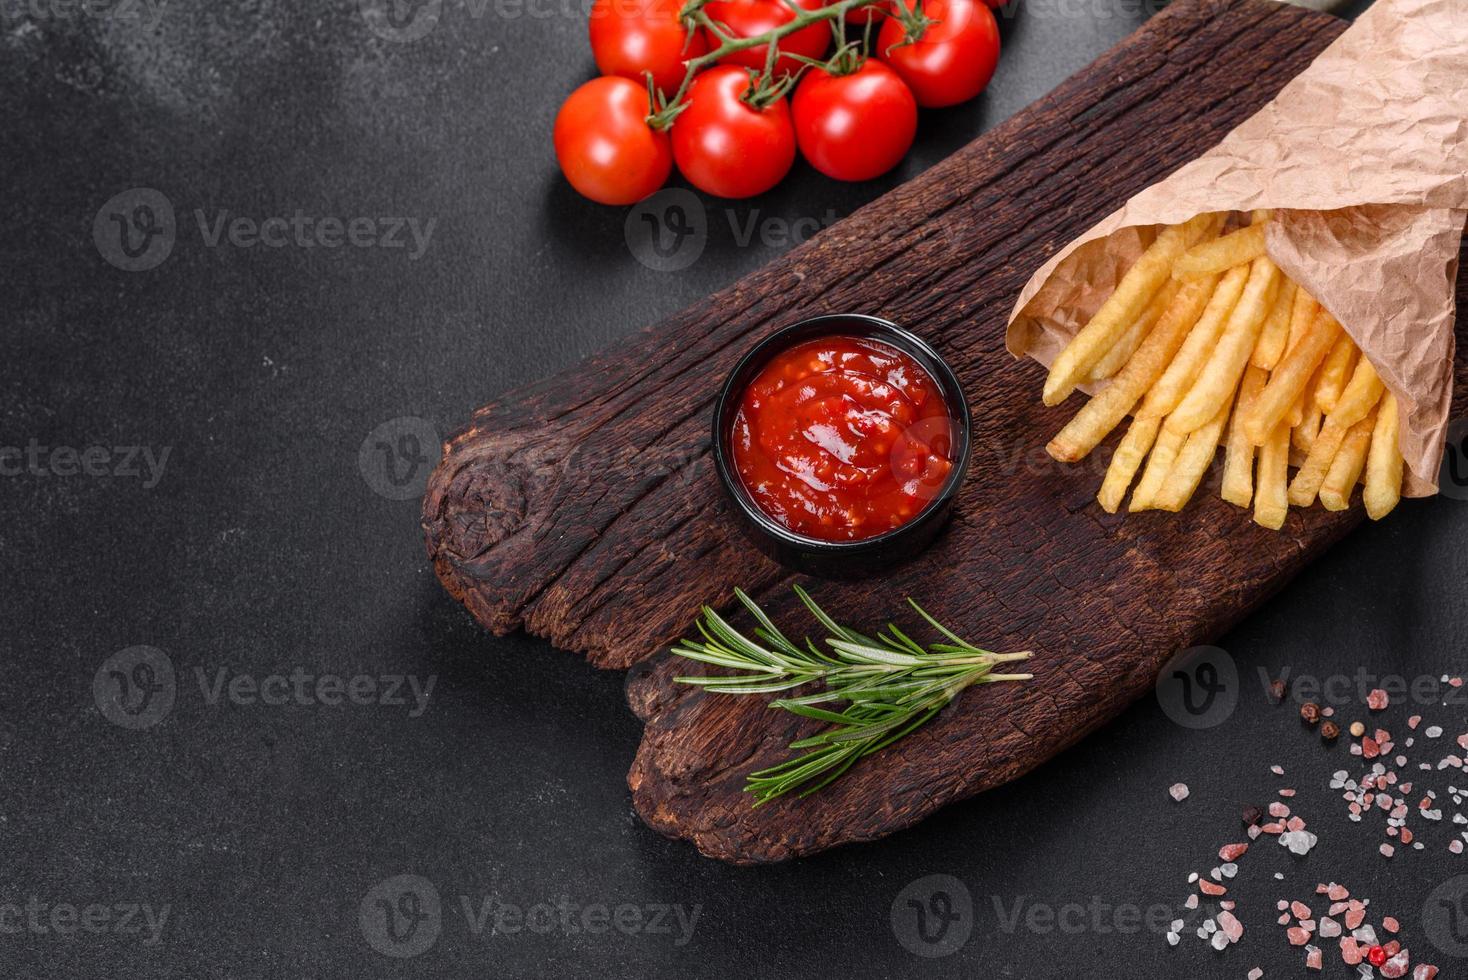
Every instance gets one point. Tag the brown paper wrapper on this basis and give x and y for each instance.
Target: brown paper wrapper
(1364, 159)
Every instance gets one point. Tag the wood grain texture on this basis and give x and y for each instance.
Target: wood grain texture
(585, 508)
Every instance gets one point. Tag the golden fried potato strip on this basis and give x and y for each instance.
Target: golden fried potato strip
(1384, 462)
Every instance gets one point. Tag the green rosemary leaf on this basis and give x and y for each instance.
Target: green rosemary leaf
(904, 639)
(939, 626)
(721, 659)
(771, 687)
(875, 654)
(805, 711)
(837, 630)
(768, 629)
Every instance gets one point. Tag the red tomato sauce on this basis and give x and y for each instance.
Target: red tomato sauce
(842, 438)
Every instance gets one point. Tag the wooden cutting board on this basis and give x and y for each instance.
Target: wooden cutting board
(585, 508)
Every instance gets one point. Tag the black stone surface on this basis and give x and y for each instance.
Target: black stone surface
(258, 548)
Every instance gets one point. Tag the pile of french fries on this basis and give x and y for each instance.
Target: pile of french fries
(1205, 341)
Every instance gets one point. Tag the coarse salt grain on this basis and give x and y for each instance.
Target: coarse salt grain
(1395, 967)
(1178, 791)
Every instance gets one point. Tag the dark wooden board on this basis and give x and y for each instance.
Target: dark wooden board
(585, 509)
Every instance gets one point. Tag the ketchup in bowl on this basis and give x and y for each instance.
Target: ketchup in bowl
(842, 438)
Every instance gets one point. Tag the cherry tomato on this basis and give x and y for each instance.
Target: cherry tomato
(955, 57)
(746, 18)
(604, 145)
(856, 126)
(629, 37)
(726, 147)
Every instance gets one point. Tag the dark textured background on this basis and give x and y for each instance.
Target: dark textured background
(264, 550)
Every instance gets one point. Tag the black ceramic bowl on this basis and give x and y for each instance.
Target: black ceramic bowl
(841, 559)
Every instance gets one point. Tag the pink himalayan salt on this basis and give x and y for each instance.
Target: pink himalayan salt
(1396, 967)
(1230, 925)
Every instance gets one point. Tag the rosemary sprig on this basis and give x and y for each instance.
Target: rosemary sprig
(891, 685)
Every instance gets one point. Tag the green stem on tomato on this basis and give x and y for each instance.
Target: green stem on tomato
(764, 90)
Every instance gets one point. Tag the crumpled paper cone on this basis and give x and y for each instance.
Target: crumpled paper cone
(1364, 159)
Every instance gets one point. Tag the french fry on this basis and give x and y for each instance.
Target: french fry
(1121, 308)
(1261, 215)
(1168, 444)
(1383, 462)
(1276, 333)
(1219, 378)
(1345, 469)
(1236, 248)
(1289, 379)
(1193, 461)
(1302, 315)
(1303, 434)
(1335, 370)
(1238, 459)
(1104, 412)
(1305, 404)
(1124, 464)
(1311, 473)
(1271, 499)
(1180, 374)
(1361, 394)
(1127, 345)
(1296, 414)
